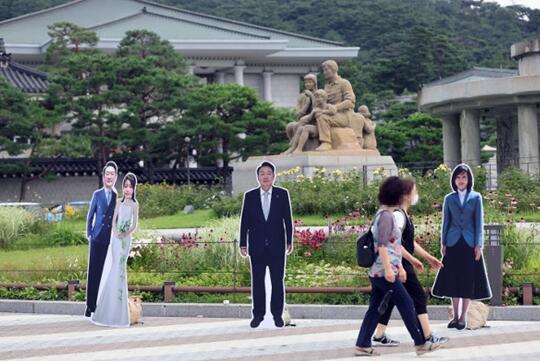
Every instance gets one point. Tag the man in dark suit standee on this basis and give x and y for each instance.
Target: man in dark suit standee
(98, 232)
(266, 233)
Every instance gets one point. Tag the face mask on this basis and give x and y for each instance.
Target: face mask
(414, 199)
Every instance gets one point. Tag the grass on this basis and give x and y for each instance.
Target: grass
(317, 220)
(199, 218)
(41, 265)
(204, 217)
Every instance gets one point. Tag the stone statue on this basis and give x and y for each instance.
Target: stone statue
(306, 125)
(340, 110)
(304, 106)
(304, 103)
(370, 141)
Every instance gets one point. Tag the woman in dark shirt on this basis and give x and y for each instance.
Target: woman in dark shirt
(412, 285)
(387, 274)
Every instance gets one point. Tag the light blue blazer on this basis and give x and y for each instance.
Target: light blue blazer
(465, 220)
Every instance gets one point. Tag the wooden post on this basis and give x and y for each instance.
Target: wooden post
(168, 293)
(72, 287)
(528, 294)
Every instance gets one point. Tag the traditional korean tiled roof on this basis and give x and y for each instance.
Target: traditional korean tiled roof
(14, 168)
(25, 78)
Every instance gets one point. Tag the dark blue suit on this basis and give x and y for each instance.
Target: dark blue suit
(266, 240)
(465, 220)
(98, 231)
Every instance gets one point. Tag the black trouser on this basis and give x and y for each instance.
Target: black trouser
(415, 290)
(276, 265)
(404, 303)
(98, 253)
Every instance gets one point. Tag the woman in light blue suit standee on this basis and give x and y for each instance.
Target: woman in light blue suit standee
(463, 275)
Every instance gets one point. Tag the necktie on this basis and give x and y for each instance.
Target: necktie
(108, 193)
(266, 204)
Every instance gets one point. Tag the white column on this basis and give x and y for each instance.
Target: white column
(528, 138)
(220, 77)
(470, 137)
(267, 83)
(239, 74)
(451, 139)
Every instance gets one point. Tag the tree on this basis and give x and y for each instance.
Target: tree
(85, 91)
(24, 128)
(68, 38)
(220, 113)
(145, 44)
(15, 122)
(153, 92)
(416, 138)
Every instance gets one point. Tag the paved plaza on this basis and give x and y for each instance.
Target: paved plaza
(32, 337)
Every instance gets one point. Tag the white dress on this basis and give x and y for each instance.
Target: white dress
(112, 304)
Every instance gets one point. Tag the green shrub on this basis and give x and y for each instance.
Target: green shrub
(331, 193)
(61, 235)
(226, 206)
(33, 294)
(164, 199)
(41, 234)
(518, 192)
(521, 246)
(214, 249)
(14, 222)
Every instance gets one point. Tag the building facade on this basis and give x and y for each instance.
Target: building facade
(511, 98)
(218, 50)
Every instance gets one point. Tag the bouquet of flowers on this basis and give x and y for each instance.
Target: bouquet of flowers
(123, 227)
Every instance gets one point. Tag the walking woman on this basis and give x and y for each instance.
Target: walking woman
(463, 277)
(413, 286)
(387, 274)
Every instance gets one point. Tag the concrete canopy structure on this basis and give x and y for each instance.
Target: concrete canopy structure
(217, 49)
(510, 98)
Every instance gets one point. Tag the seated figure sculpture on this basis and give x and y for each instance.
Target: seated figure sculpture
(304, 106)
(306, 125)
(370, 141)
(340, 109)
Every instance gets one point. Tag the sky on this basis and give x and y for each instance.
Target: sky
(534, 4)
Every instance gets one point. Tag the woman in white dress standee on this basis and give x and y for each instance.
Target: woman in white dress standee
(113, 295)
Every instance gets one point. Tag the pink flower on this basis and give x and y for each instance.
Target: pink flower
(307, 254)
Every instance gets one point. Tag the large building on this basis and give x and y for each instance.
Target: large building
(508, 97)
(216, 49)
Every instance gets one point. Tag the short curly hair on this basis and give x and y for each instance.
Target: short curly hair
(391, 191)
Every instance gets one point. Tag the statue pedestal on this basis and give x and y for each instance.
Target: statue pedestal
(244, 177)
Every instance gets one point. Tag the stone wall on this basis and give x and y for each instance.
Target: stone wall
(62, 190)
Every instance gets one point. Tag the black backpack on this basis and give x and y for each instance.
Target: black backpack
(365, 249)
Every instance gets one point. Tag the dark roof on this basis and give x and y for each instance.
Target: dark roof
(14, 168)
(479, 72)
(201, 175)
(25, 78)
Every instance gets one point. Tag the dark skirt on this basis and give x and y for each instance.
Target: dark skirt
(461, 275)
